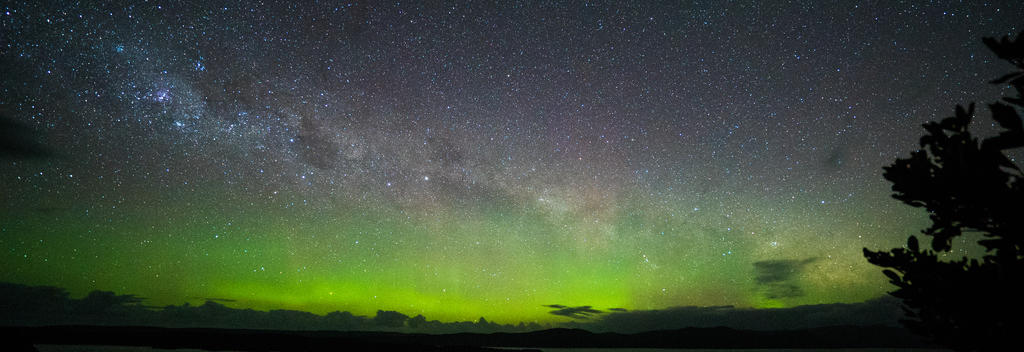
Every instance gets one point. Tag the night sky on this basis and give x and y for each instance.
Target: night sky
(460, 161)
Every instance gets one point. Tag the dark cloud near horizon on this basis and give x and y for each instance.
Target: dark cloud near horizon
(778, 279)
(882, 311)
(580, 312)
(24, 305)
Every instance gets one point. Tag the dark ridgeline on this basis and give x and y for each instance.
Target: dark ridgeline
(47, 315)
(276, 340)
(966, 185)
(219, 339)
(24, 305)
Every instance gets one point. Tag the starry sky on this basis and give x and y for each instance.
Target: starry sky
(458, 161)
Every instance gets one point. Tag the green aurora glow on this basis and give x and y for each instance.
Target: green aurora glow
(448, 264)
(484, 161)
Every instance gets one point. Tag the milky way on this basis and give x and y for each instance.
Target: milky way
(461, 161)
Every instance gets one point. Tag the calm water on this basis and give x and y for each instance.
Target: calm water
(79, 348)
(86, 348)
(739, 350)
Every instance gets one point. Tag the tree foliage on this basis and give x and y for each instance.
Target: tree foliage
(966, 185)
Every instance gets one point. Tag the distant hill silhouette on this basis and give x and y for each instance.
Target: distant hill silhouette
(24, 305)
(48, 315)
(263, 340)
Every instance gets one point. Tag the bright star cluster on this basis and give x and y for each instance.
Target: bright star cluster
(466, 159)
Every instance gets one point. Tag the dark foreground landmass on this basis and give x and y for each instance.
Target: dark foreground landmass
(276, 340)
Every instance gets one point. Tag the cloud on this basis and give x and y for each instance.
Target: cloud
(390, 318)
(884, 311)
(43, 305)
(18, 141)
(24, 305)
(772, 271)
(779, 278)
(581, 312)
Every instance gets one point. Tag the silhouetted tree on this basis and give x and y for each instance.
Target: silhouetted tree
(966, 185)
